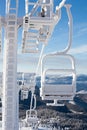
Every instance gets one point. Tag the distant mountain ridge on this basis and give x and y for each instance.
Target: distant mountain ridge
(81, 81)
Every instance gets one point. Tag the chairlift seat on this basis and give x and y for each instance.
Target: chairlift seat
(31, 116)
(40, 21)
(58, 91)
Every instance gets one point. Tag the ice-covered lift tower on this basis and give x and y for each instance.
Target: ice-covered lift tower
(10, 93)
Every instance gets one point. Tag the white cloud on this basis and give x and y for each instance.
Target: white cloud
(80, 29)
(79, 50)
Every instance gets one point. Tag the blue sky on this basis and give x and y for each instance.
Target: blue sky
(58, 41)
